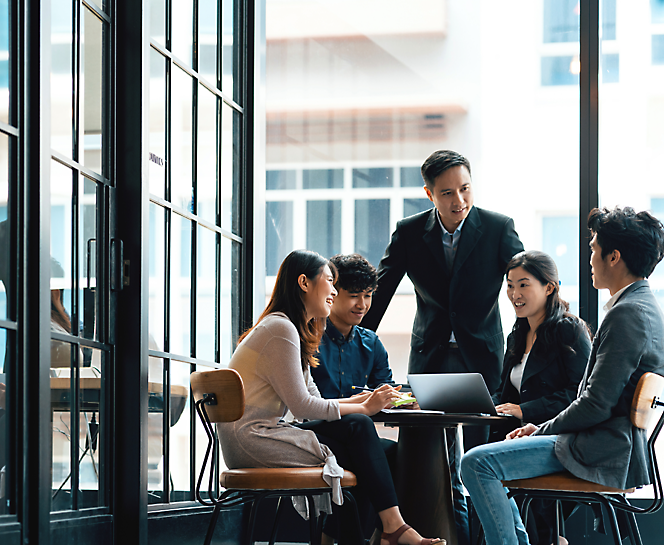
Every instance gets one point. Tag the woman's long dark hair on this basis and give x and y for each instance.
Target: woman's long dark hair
(544, 269)
(287, 297)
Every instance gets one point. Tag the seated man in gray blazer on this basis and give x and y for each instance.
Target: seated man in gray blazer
(593, 438)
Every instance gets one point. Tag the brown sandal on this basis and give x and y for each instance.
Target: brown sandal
(393, 538)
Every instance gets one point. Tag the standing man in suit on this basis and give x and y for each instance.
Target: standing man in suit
(593, 438)
(455, 255)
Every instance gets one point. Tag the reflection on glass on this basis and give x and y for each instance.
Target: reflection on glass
(414, 206)
(324, 227)
(280, 179)
(372, 177)
(230, 167)
(411, 177)
(5, 263)
(90, 432)
(205, 294)
(179, 440)
(180, 267)
(158, 21)
(182, 22)
(61, 76)
(181, 139)
(228, 45)
(278, 234)
(92, 70)
(157, 267)
(372, 228)
(7, 360)
(61, 233)
(323, 178)
(157, 141)
(61, 411)
(207, 155)
(4, 64)
(155, 428)
(207, 39)
(88, 249)
(228, 307)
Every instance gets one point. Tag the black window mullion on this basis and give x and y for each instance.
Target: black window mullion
(74, 425)
(166, 427)
(588, 153)
(76, 69)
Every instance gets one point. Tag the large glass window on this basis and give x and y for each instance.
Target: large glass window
(633, 106)
(80, 187)
(371, 98)
(196, 170)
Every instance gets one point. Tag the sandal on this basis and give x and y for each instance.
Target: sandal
(393, 538)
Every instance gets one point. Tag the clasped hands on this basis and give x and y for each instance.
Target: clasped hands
(523, 431)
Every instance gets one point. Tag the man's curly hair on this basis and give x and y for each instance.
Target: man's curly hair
(356, 274)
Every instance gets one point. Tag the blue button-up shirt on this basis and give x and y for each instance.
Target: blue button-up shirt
(360, 360)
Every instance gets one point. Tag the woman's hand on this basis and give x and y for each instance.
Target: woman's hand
(510, 408)
(525, 431)
(379, 399)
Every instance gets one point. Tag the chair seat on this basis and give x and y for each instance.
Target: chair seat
(563, 481)
(274, 478)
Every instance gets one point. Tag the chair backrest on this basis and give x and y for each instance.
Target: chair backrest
(228, 390)
(644, 408)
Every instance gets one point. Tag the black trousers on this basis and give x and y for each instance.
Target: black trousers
(357, 447)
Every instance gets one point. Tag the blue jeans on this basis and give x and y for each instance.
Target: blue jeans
(485, 466)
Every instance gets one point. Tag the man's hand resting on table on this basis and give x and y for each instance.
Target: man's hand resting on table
(524, 431)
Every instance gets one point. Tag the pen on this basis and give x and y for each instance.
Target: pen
(361, 388)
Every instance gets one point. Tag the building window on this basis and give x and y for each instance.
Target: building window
(559, 70)
(372, 228)
(411, 177)
(278, 234)
(280, 179)
(372, 177)
(415, 206)
(610, 68)
(324, 227)
(658, 49)
(332, 178)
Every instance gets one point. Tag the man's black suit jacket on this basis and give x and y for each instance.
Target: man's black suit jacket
(465, 301)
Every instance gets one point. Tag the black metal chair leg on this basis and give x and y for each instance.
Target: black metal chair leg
(277, 517)
(613, 521)
(313, 520)
(634, 534)
(213, 524)
(348, 497)
(252, 518)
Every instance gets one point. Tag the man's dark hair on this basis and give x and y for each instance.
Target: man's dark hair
(438, 162)
(355, 273)
(639, 237)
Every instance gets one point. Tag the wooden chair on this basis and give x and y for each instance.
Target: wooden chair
(566, 487)
(219, 397)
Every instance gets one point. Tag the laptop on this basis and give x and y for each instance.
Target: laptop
(461, 393)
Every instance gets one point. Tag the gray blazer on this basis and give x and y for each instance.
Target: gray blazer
(596, 440)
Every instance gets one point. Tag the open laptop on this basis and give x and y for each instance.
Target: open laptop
(464, 393)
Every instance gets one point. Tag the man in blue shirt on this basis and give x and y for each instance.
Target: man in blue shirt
(350, 355)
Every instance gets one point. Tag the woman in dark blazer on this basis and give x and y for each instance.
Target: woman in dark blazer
(546, 356)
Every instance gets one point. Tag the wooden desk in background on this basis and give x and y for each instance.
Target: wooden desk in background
(90, 387)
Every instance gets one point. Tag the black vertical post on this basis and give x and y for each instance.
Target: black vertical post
(130, 498)
(588, 153)
(34, 264)
(246, 20)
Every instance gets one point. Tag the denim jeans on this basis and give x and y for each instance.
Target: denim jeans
(485, 466)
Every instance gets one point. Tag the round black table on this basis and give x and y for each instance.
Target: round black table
(423, 481)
